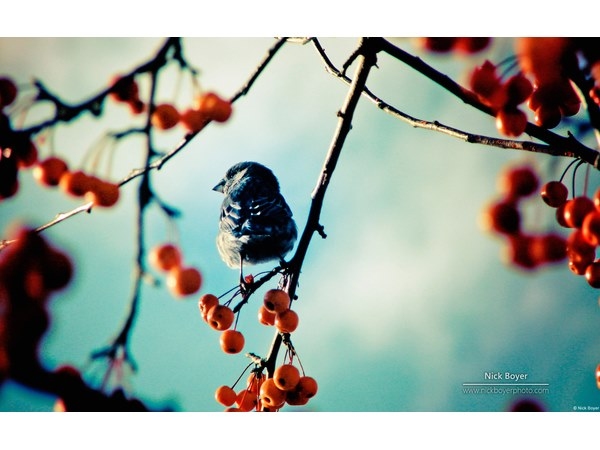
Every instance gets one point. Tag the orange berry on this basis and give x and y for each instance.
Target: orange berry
(554, 193)
(265, 316)
(308, 386)
(225, 395)
(102, 193)
(484, 81)
(304, 390)
(76, 183)
(270, 395)
(592, 274)
(214, 107)
(286, 321)
(511, 121)
(206, 302)
(220, 317)
(516, 182)
(548, 116)
(183, 281)
(590, 227)
(246, 400)
(286, 377)
(576, 209)
(598, 376)
(165, 116)
(276, 300)
(501, 217)
(49, 171)
(165, 257)
(193, 120)
(232, 341)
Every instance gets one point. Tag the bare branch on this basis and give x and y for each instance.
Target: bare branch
(557, 145)
(367, 58)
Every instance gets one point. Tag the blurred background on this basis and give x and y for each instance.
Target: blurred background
(405, 301)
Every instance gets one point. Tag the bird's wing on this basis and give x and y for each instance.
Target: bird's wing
(253, 216)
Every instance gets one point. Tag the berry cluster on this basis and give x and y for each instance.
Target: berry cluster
(54, 171)
(182, 280)
(503, 217)
(550, 94)
(548, 61)
(503, 97)
(208, 106)
(275, 311)
(287, 386)
(17, 151)
(582, 215)
(30, 271)
(124, 89)
(467, 45)
(261, 393)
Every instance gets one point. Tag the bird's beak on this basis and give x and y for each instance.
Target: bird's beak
(219, 187)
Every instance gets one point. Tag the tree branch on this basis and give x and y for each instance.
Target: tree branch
(557, 145)
(366, 60)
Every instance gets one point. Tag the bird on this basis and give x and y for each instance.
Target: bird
(256, 224)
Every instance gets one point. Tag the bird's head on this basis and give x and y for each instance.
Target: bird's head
(246, 170)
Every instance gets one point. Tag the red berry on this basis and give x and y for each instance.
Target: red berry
(517, 182)
(265, 316)
(183, 281)
(205, 304)
(576, 209)
(214, 107)
(276, 300)
(548, 248)
(286, 321)
(502, 217)
(511, 121)
(590, 227)
(165, 116)
(554, 193)
(484, 81)
(49, 171)
(548, 116)
(103, 193)
(592, 274)
(518, 89)
(518, 252)
(165, 257)
(471, 45)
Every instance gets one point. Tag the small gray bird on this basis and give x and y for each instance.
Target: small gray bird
(256, 223)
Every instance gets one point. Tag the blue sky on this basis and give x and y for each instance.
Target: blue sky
(406, 299)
